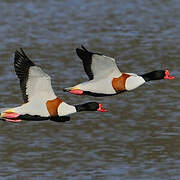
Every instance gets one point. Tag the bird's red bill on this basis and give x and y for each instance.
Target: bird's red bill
(167, 75)
(101, 109)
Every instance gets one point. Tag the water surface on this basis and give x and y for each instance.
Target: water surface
(139, 137)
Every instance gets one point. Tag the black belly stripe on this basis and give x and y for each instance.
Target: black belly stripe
(60, 118)
(29, 117)
(101, 94)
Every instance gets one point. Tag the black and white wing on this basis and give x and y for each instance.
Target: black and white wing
(97, 65)
(33, 81)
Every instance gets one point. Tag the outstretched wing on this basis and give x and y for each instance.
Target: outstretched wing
(97, 65)
(33, 81)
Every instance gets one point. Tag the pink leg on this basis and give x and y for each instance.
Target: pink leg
(76, 91)
(11, 117)
(13, 120)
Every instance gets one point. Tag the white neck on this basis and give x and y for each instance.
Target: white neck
(133, 82)
(66, 109)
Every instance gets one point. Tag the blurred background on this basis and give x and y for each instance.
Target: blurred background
(139, 137)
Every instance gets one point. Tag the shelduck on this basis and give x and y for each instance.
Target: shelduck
(40, 101)
(105, 77)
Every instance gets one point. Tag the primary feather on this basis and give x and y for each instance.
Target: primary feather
(33, 81)
(97, 65)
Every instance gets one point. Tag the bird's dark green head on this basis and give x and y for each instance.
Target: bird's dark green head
(90, 106)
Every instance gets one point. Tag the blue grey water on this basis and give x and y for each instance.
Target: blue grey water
(139, 138)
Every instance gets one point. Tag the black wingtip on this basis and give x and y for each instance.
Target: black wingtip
(17, 56)
(20, 57)
(82, 51)
(79, 51)
(21, 66)
(19, 52)
(23, 53)
(86, 51)
(83, 54)
(83, 47)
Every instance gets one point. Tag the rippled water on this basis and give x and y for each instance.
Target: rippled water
(139, 137)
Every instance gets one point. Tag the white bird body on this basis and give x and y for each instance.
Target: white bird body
(95, 86)
(40, 101)
(105, 77)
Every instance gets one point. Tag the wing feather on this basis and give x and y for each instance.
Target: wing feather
(97, 65)
(33, 81)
